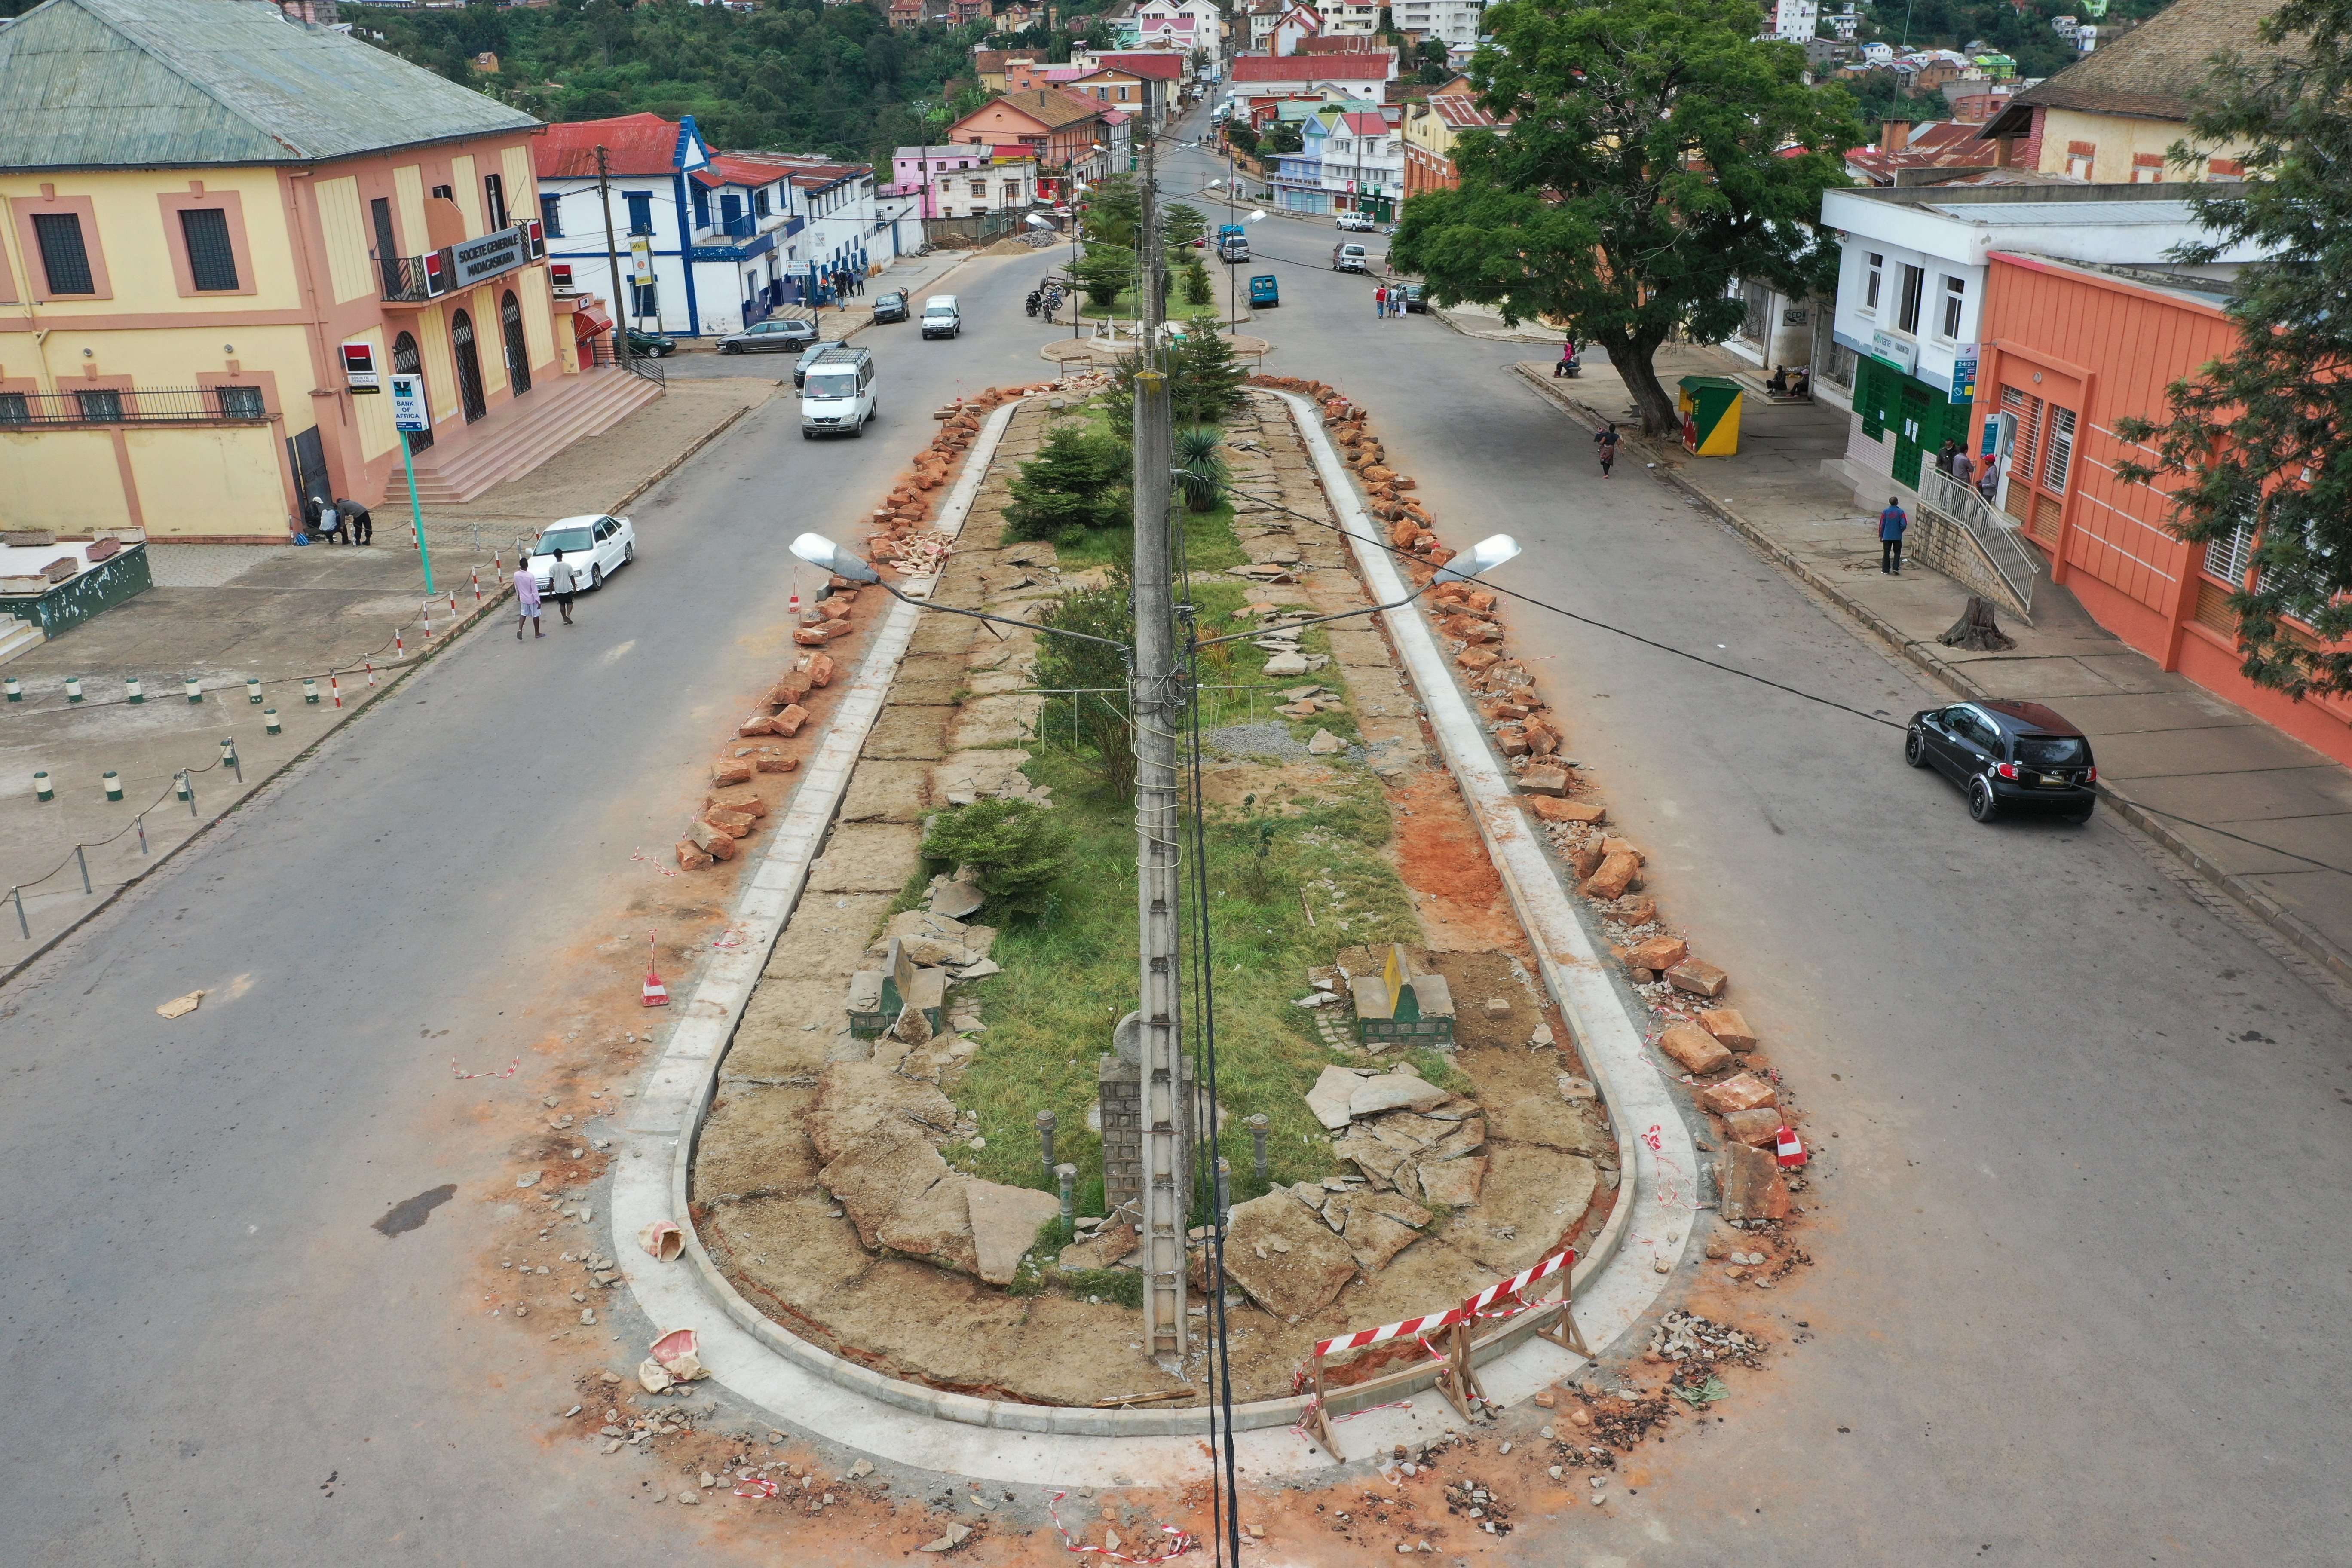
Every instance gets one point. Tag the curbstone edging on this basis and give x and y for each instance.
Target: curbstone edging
(2257, 903)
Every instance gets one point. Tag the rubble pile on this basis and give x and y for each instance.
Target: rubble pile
(1405, 1134)
(898, 535)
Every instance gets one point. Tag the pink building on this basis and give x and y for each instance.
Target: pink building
(965, 181)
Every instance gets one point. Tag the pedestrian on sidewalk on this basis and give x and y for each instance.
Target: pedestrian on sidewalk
(1606, 440)
(1892, 524)
(1944, 458)
(356, 519)
(561, 583)
(526, 602)
(1964, 468)
(1381, 300)
(1988, 482)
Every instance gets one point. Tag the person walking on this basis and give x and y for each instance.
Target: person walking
(1606, 441)
(1892, 524)
(561, 583)
(359, 526)
(526, 602)
(1381, 300)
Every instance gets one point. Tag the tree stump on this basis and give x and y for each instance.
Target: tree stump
(1979, 628)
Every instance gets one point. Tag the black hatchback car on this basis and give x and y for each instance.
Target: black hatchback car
(890, 307)
(2008, 756)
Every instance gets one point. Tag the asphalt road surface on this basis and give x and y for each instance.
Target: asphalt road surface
(202, 1327)
(2081, 1287)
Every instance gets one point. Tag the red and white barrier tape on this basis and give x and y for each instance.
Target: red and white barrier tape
(757, 1486)
(1429, 1323)
(462, 1075)
(1184, 1542)
(1477, 1305)
(641, 855)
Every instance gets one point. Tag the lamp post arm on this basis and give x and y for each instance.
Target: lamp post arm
(1000, 620)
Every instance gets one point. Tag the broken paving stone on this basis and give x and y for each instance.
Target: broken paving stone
(1752, 1185)
(1726, 1024)
(952, 898)
(1615, 873)
(1325, 743)
(1658, 953)
(1288, 664)
(1697, 1050)
(956, 1536)
(1455, 1183)
(1744, 1092)
(1574, 1088)
(1697, 977)
(1394, 1091)
(1004, 1223)
(1330, 1098)
(1755, 1127)
(1305, 1274)
(1544, 780)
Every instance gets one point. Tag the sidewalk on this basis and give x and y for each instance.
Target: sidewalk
(226, 613)
(2177, 761)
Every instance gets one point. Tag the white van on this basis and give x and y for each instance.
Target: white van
(838, 395)
(941, 319)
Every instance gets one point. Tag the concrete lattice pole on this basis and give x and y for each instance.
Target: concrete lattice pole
(1157, 705)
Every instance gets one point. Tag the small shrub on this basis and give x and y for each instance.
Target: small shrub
(1201, 474)
(1017, 849)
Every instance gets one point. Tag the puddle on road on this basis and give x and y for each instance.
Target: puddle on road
(404, 1217)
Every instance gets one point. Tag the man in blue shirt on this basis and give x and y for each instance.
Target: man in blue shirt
(1891, 524)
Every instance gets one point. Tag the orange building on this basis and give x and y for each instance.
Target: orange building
(2068, 350)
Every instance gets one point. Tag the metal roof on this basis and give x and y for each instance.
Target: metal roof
(187, 83)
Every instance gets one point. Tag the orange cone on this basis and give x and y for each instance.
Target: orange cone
(1789, 1149)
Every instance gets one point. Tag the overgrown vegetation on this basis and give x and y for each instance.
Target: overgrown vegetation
(1017, 850)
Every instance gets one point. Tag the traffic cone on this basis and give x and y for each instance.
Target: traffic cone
(656, 994)
(1789, 1149)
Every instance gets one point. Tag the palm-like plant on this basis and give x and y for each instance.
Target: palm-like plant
(1201, 474)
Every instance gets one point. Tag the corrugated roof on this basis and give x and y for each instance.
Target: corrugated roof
(1463, 113)
(1049, 107)
(1313, 68)
(187, 83)
(1158, 64)
(632, 143)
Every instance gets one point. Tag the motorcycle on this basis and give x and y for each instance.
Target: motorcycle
(1031, 303)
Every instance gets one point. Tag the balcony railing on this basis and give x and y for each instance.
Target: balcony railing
(743, 226)
(414, 280)
(143, 406)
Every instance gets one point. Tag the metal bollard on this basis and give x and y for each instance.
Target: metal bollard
(229, 755)
(25, 926)
(1257, 1147)
(140, 823)
(1225, 1188)
(1045, 1139)
(1067, 1177)
(82, 860)
(42, 788)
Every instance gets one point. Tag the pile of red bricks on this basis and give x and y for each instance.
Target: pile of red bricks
(915, 495)
(724, 818)
(1410, 525)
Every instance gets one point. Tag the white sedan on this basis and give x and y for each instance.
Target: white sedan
(593, 547)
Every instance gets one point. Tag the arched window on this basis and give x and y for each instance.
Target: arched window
(518, 350)
(407, 361)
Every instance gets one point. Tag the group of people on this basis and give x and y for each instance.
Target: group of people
(1789, 380)
(1985, 476)
(1388, 301)
(340, 521)
(563, 583)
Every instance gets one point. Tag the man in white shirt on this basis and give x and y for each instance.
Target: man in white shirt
(561, 583)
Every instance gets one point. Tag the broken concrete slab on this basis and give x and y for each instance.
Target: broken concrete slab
(1745, 1092)
(1328, 1100)
(866, 857)
(1697, 1050)
(1753, 1187)
(1004, 1224)
(1454, 1183)
(1394, 1091)
(1282, 1254)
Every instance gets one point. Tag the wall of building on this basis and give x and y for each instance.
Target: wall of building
(2121, 149)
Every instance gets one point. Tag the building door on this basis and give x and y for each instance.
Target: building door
(407, 361)
(1911, 432)
(309, 458)
(730, 207)
(518, 351)
(469, 366)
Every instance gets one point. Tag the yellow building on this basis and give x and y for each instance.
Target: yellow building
(2111, 117)
(1432, 126)
(221, 226)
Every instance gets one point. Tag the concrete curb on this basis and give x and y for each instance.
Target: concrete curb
(393, 681)
(2312, 943)
(838, 1398)
(1612, 1290)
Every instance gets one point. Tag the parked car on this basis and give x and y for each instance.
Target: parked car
(1357, 223)
(890, 308)
(808, 358)
(2007, 756)
(1348, 258)
(651, 343)
(593, 547)
(1413, 302)
(778, 334)
(1265, 293)
(941, 317)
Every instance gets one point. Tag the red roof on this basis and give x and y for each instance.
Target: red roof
(632, 143)
(1363, 124)
(1343, 44)
(1158, 64)
(1460, 112)
(1313, 68)
(729, 170)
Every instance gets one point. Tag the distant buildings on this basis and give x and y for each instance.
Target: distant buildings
(1431, 128)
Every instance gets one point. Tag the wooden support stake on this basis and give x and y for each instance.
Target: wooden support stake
(1319, 1421)
(1561, 1329)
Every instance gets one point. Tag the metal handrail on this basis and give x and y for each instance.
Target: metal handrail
(2017, 562)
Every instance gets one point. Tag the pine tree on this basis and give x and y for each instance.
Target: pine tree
(1204, 380)
(2256, 440)
(1076, 481)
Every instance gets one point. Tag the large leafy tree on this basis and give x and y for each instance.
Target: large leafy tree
(1657, 152)
(2256, 440)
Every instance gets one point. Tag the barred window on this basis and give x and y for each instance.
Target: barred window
(2058, 451)
(2225, 558)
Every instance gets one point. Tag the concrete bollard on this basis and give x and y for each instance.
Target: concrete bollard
(1225, 1188)
(182, 787)
(310, 691)
(133, 690)
(194, 692)
(113, 783)
(1045, 1139)
(73, 688)
(269, 723)
(16, 688)
(253, 690)
(1067, 1177)
(42, 788)
(1258, 1126)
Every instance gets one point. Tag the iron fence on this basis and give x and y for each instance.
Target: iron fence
(140, 405)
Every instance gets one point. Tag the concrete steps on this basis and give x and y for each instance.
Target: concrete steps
(18, 637)
(520, 435)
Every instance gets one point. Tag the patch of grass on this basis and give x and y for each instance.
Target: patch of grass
(1124, 1285)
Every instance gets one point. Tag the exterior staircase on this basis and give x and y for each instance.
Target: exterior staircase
(17, 637)
(518, 437)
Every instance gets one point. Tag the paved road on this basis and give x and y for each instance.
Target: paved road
(2082, 1292)
(200, 1325)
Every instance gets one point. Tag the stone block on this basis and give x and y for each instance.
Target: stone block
(1477, 659)
(1614, 874)
(757, 724)
(734, 824)
(1658, 953)
(788, 722)
(820, 668)
(1454, 1183)
(776, 762)
(1745, 1092)
(866, 857)
(1726, 1025)
(1582, 858)
(1753, 1187)
(1004, 1224)
(1754, 1128)
(715, 842)
(1285, 1257)
(1697, 977)
(691, 857)
(824, 632)
(1328, 1098)
(1544, 780)
(1697, 1050)
(732, 771)
(1394, 1091)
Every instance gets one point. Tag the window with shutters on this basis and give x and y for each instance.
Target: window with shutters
(1906, 311)
(64, 259)
(212, 260)
(641, 211)
(551, 216)
(2058, 449)
(2225, 558)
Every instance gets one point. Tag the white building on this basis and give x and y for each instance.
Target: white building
(1184, 26)
(1363, 163)
(1795, 20)
(1342, 18)
(1456, 22)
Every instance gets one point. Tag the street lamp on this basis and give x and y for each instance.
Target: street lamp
(1489, 553)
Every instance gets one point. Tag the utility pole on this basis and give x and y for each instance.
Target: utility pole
(612, 250)
(1157, 705)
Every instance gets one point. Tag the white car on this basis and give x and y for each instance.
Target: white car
(593, 547)
(1357, 223)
